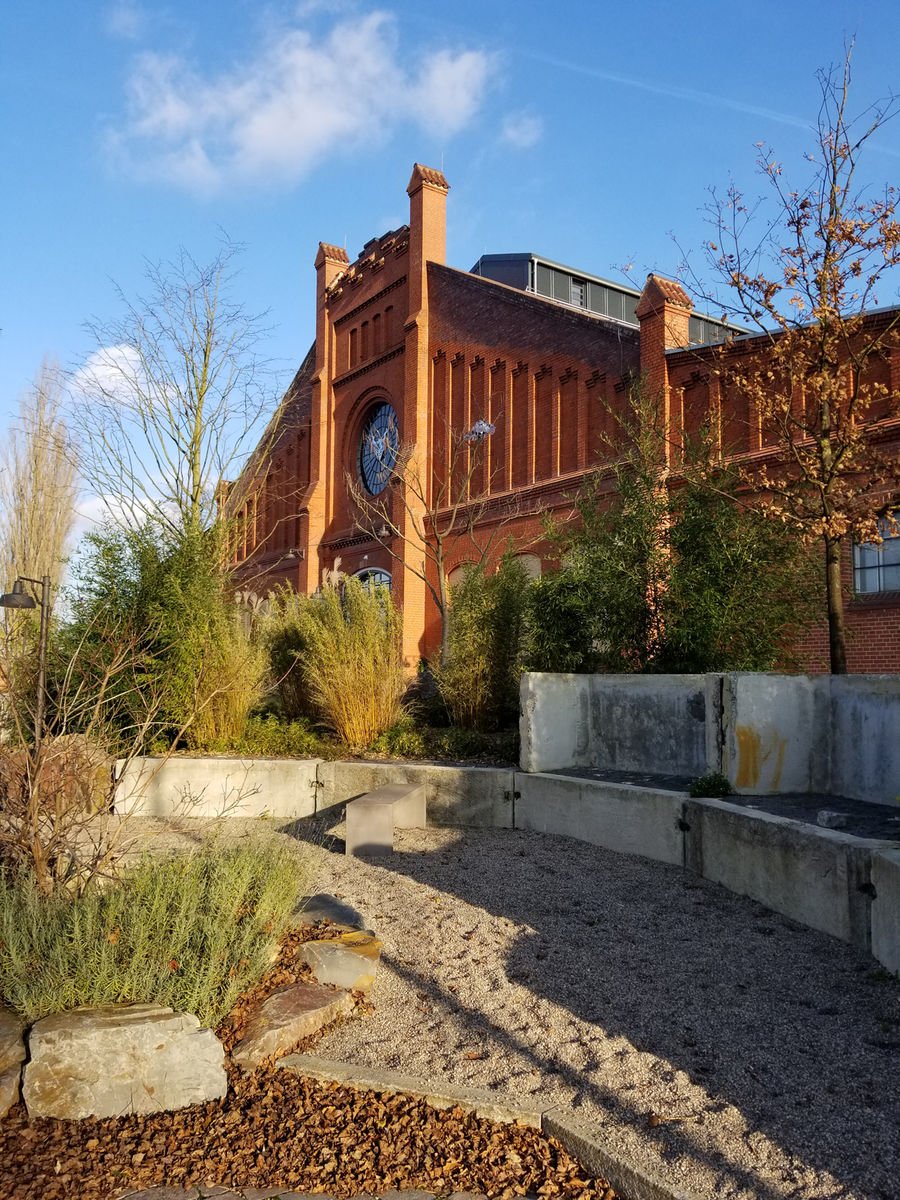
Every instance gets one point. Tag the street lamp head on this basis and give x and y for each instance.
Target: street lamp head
(480, 430)
(18, 597)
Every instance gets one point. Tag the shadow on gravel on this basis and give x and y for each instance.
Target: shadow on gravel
(796, 1030)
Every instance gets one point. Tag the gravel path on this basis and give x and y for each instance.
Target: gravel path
(757, 1058)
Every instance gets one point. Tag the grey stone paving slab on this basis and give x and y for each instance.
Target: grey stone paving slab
(493, 1106)
(637, 1182)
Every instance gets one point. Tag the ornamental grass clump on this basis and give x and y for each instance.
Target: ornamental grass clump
(352, 659)
(191, 931)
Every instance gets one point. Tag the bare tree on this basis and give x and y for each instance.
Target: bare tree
(805, 271)
(173, 395)
(422, 515)
(38, 485)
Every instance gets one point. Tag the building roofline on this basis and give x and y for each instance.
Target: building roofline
(535, 297)
(526, 256)
(751, 335)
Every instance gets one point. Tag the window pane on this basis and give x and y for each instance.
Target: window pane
(867, 579)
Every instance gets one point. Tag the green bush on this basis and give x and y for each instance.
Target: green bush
(468, 744)
(407, 739)
(282, 636)
(479, 678)
(658, 577)
(740, 587)
(402, 739)
(189, 931)
(159, 600)
(272, 738)
(714, 785)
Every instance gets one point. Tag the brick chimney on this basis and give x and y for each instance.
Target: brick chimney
(427, 192)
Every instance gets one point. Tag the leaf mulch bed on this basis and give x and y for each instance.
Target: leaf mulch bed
(275, 1129)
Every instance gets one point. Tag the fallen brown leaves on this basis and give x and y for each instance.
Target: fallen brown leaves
(276, 1129)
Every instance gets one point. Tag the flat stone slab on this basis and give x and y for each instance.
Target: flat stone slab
(117, 1059)
(323, 907)
(12, 1055)
(349, 961)
(286, 1018)
(439, 1094)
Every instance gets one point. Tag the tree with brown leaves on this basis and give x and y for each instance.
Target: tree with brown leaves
(805, 267)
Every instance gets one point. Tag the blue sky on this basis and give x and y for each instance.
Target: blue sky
(587, 132)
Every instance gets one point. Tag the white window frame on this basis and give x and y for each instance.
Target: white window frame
(872, 561)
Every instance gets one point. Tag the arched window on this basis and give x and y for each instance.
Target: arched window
(458, 574)
(379, 447)
(374, 577)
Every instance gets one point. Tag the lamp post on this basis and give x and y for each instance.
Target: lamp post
(19, 598)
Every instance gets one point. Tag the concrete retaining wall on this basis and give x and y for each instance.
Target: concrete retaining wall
(816, 876)
(885, 872)
(775, 733)
(212, 787)
(474, 796)
(865, 737)
(770, 734)
(621, 817)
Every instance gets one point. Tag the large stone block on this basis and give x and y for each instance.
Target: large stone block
(555, 721)
(775, 733)
(480, 797)
(818, 877)
(286, 1018)
(117, 1059)
(213, 787)
(12, 1055)
(886, 908)
(659, 724)
(865, 737)
(621, 817)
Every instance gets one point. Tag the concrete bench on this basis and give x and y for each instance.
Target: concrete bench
(372, 819)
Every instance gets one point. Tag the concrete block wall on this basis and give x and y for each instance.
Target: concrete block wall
(666, 724)
(769, 734)
(775, 733)
(865, 737)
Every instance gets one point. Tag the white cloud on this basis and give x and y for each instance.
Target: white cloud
(110, 374)
(522, 130)
(298, 100)
(125, 19)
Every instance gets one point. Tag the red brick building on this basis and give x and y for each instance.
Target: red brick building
(410, 352)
